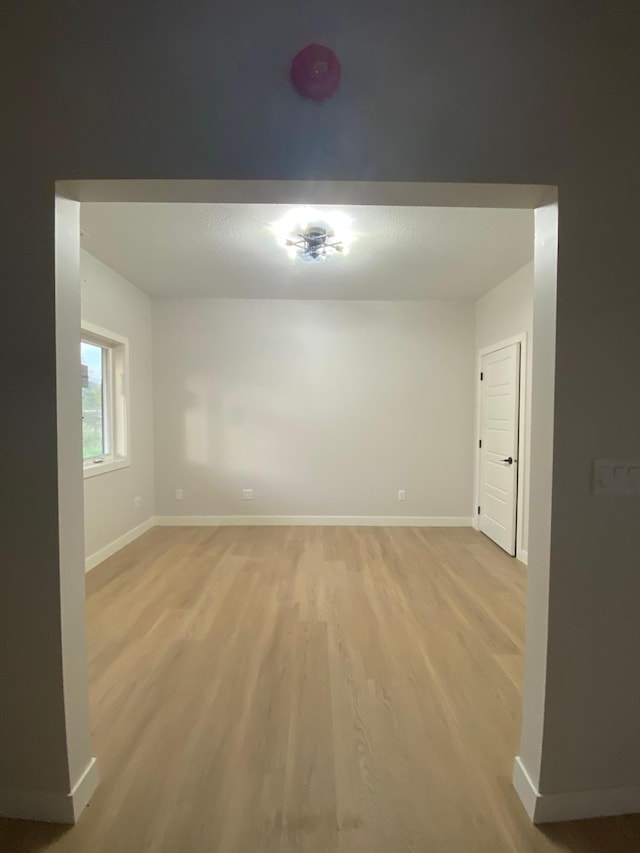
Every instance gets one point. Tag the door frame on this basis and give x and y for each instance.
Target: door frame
(70, 559)
(522, 502)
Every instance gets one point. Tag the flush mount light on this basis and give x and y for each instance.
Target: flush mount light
(313, 235)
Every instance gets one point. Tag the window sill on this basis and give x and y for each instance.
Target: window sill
(94, 469)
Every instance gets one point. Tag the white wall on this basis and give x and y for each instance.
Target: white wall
(322, 408)
(110, 301)
(503, 313)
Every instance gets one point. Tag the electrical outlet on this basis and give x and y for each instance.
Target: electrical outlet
(402, 495)
(179, 494)
(247, 494)
(137, 503)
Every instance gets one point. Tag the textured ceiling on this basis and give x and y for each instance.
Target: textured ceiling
(230, 250)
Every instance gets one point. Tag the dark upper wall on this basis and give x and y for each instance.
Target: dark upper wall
(139, 89)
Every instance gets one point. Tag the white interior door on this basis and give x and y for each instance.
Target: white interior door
(500, 406)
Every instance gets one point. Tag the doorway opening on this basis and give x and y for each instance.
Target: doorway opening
(536, 198)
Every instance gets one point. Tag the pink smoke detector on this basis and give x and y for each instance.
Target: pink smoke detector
(315, 72)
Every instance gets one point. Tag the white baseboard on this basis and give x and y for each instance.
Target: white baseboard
(525, 788)
(523, 556)
(271, 521)
(575, 805)
(48, 806)
(110, 549)
(84, 788)
(308, 520)
(475, 523)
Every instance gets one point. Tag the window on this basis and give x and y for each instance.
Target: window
(104, 357)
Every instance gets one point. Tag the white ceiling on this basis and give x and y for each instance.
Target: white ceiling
(229, 250)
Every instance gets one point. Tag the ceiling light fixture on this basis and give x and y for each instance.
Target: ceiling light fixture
(313, 235)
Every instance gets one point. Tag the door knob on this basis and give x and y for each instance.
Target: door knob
(509, 460)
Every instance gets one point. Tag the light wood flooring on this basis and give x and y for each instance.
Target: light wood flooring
(308, 689)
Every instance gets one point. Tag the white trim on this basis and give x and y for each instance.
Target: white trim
(95, 559)
(84, 788)
(309, 520)
(94, 469)
(522, 414)
(525, 788)
(50, 806)
(573, 805)
(270, 521)
(507, 342)
(102, 335)
(114, 461)
(523, 556)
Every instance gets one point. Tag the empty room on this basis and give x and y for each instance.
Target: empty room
(306, 441)
(305, 642)
(320, 487)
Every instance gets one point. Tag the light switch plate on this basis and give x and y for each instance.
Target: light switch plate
(616, 477)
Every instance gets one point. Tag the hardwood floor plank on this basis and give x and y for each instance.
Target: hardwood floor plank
(310, 690)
